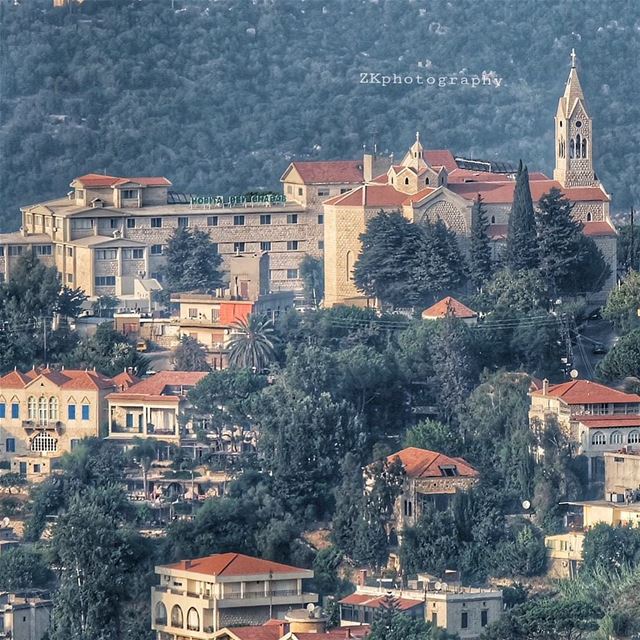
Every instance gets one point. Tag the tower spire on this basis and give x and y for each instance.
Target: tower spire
(573, 58)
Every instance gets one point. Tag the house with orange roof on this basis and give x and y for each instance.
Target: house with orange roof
(197, 598)
(430, 480)
(153, 408)
(449, 307)
(432, 184)
(594, 417)
(47, 412)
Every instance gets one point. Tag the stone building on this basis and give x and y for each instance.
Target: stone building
(25, 615)
(201, 596)
(45, 413)
(433, 184)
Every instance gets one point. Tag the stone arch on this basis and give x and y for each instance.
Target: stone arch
(449, 213)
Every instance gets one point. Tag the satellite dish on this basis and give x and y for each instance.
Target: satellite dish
(311, 607)
(438, 586)
(444, 586)
(573, 373)
(526, 505)
(6, 522)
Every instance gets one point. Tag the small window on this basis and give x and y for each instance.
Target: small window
(464, 620)
(589, 216)
(70, 252)
(292, 274)
(113, 223)
(105, 281)
(156, 223)
(320, 219)
(300, 191)
(74, 443)
(265, 246)
(484, 618)
(323, 193)
(44, 250)
(1, 252)
(10, 445)
(598, 438)
(85, 411)
(616, 437)
(212, 221)
(320, 244)
(82, 224)
(406, 180)
(15, 250)
(71, 412)
(426, 181)
(633, 437)
(156, 249)
(238, 247)
(289, 189)
(69, 278)
(131, 223)
(3, 410)
(292, 218)
(292, 245)
(129, 194)
(493, 219)
(15, 410)
(265, 218)
(79, 193)
(238, 221)
(347, 189)
(129, 420)
(106, 254)
(183, 221)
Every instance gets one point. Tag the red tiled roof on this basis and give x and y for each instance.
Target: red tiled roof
(156, 384)
(609, 422)
(100, 180)
(501, 192)
(373, 602)
(598, 229)
(422, 463)
(14, 380)
(587, 392)
(416, 197)
(124, 380)
(67, 379)
(449, 306)
(232, 564)
(440, 157)
(355, 631)
(328, 172)
(264, 632)
(376, 195)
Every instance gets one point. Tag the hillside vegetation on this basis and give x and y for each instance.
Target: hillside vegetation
(220, 96)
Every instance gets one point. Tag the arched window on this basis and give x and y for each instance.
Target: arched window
(43, 442)
(193, 620)
(43, 411)
(584, 147)
(406, 180)
(598, 438)
(493, 219)
(560, 148)
(426, 180)
(616, 437)
(176, 617)
(578, 146)
(32, 408)
(161, 613)
(391, 179)
(589, 216)
(53, 408)
(349, 265)
(633, 437)
(572, 148)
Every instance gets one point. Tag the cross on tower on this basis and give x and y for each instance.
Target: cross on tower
(573, 58)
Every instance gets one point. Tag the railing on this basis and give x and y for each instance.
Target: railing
(249, 595)
(161, 621)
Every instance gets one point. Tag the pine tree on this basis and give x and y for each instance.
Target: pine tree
(522, 243)
(480, 264)
(349, 502)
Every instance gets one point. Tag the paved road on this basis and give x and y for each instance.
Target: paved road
(585, 361)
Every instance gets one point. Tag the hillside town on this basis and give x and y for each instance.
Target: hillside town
(397, 399)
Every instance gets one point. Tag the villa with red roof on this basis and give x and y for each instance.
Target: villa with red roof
(434, 184)
(431, 479)
(204, 595)
(594, 417)
(46, 412)
(450, 308)
(153, 408)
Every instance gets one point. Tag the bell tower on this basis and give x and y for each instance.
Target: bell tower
(574, 136)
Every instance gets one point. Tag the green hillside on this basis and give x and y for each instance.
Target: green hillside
(220, 96)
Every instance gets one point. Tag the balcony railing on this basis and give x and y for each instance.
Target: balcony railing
(43, 425)
(249, 595)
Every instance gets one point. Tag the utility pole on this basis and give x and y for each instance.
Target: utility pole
(631, 244)
(44, 338)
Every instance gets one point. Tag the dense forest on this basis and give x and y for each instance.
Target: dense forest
(220, 95)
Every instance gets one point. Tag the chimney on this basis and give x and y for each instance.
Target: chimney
(187, 564)
(362, 578)
(282, 629)
(545, 387)
(367, 167)
(348, 633)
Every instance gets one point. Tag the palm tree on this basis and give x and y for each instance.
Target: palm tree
(252, 343)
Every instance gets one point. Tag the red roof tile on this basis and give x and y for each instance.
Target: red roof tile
(587, 392)
(271, 632)
(422, 463)
(99, 180)
(446, 307)
(66, 379)
(233, 564)
(328, 172)
(355, 631)
(376, 195)
(440, 157)
(598, 229)
(156, 384)
(373, 602)
(416, 197)
(609, 422)
(124, 380)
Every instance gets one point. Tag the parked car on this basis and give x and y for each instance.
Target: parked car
(142, 345)
(598, 348)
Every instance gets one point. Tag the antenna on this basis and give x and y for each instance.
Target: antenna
(438, 586)
(311, 607)
(526, 505)
(574, 374)
(6, 522)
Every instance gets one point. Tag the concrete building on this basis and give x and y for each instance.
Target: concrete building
(196, 598)
(457, 609)
(283, 630)
(564, 554)
(430, 479)
(153, 408)
(24, 615)
(622, 475)
(45, 413)
(434, 184)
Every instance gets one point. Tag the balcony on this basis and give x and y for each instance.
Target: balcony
(260, 598)
(30, 426)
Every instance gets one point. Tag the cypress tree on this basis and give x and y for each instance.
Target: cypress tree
(480, 264)
(522, 243)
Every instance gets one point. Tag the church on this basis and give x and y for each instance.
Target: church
(432, 184)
